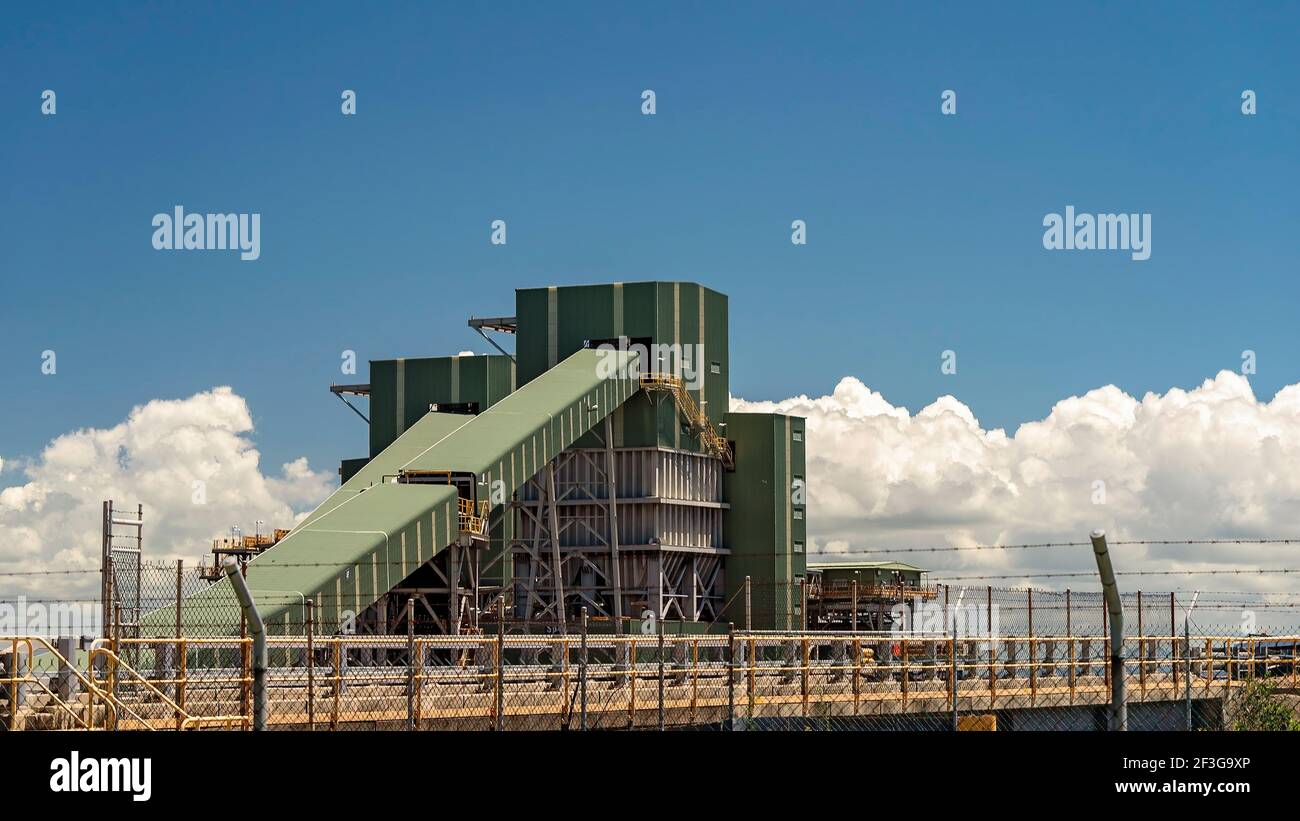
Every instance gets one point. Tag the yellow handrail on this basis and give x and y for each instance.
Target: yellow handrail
(473, 518)
(181, 716)
(110, 707)
(714, 443)
(197, 722)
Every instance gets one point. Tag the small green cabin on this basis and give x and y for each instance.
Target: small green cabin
(833, 574)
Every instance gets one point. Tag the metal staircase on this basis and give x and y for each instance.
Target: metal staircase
(715, 444)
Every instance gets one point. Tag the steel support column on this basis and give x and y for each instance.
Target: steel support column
(616, 573)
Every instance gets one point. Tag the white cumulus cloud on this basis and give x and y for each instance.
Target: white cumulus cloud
(190, 462)
(1211, 462)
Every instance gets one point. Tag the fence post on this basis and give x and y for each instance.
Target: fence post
(904, 675)
(66, 685)
(952, 668)
(1142, 649)
(582, 675)
(857, 674)
(803, 604)
(501, 658)
(1033, 649)
(749, 603)
(855, 604)
(1105, 640)
(258, 630)
(661, 674)
(731, 676)
(411, 680)
(988, 615)
(337, 663)
(993, 651)
(1173, 642)
(174, 666)
(1209, 665)
(311, 665)
(1115, 605)
(1069, 638)
(1069, 625)
(245, 706)
(117, 650)
(1187, 678)
(804, 682)
(180, 565)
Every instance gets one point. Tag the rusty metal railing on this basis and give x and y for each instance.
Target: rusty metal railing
(521, 681)
(82, 716)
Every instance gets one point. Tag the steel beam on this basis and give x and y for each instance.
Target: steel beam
(556, 565)
(615, 569)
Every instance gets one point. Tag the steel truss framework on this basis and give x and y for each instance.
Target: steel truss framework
(652, 577)
(567, 547)
(443, 594)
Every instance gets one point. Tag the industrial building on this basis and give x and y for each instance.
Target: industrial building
(597, 467)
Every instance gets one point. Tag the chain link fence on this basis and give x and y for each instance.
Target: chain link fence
(937, 658)
(739, 681)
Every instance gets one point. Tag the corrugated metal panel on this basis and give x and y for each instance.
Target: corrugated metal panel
(349, 467)
(531, 339)
(499, 378)
(795, 440)
(669, 313)
(403, 413)
(662, 476)
(417, 383)
(717, 387)
(761, 527)
(383, 404)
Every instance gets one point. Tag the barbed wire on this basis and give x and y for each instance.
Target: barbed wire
(1193, 591)
(1202, 541)
(868, 551)
(948, 548)
(1093, 574)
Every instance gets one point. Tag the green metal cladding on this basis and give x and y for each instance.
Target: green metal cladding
(554, 322)
(401, 390)
(766, 527)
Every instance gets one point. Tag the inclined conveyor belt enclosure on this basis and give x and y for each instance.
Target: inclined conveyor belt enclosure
(370, 534)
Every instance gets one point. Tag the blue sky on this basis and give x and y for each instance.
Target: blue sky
(924, 230)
